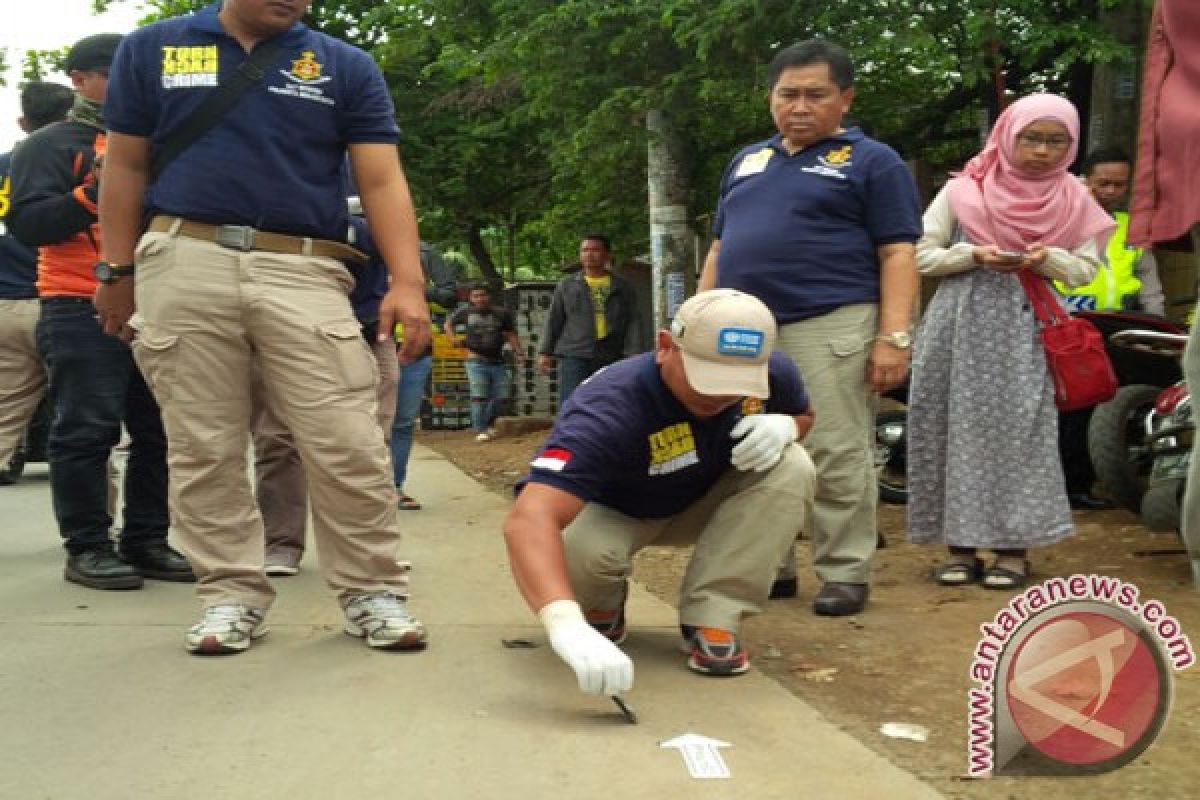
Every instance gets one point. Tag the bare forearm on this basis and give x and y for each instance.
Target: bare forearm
(122, 189)
(535, 553)
(708, 274)
(390, 213)
(898, 286)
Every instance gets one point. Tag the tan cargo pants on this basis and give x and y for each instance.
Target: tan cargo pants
(22, 376)
(209, 313)
(280, 485)
(741, 529)
(831, 352)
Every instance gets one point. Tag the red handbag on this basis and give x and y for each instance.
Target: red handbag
(1075, 355)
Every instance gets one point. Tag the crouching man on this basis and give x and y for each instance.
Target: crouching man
(693, 443)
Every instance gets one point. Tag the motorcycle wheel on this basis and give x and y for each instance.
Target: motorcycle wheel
(1116, 444)
(891, 443)
(1161, 506)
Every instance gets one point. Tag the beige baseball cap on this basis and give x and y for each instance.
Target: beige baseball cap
(726, 337)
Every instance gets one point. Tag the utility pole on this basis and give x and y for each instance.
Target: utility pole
(672, 244)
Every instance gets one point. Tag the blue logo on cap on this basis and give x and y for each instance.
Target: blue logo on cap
(741, 342)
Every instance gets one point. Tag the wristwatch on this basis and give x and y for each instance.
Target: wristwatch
(108, 273)
(899, 339)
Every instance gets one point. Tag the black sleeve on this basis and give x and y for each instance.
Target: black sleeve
(45, 209)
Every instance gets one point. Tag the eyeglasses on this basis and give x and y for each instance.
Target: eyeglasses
(1037, 140)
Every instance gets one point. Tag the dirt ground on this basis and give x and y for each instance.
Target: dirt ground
(906, 658)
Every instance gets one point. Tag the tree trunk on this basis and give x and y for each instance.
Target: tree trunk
(672, 243)
(483, 258)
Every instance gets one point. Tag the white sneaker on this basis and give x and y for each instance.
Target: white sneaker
(385, 622)
(483, 437)
(280, 565)
(226, 629)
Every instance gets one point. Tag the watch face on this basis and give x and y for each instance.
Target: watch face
(103, 271)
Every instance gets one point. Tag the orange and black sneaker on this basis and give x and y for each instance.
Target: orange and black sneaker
(714, 651)
(611, 623)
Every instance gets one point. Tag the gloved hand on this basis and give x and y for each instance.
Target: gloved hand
(763, 437)
(600, 667)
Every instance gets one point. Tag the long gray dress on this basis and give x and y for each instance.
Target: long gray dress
(983, 463)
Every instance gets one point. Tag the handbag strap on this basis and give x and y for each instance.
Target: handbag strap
(1045, 304)
(214, 107)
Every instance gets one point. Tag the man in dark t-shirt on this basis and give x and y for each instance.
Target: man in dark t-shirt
(484, 330)
(694, 443)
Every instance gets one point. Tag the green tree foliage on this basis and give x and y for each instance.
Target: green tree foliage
(523, 119)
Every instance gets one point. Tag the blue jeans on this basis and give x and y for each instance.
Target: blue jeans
(489, 388)
(95, 387)
(408, 405)
(572, 371)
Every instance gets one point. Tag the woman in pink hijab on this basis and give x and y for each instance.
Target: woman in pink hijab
(983, 463)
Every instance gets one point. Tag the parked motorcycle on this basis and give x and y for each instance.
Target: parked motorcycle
(1119, 435)
(1145, 439)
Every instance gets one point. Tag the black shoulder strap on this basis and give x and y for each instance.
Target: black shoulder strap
(216, 105)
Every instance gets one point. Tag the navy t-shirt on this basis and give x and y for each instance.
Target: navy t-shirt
(18, 264)
(622, 439)
(275, 161)
(800, 232)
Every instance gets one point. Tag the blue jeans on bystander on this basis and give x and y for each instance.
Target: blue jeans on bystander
(488, 381)
(409, 392)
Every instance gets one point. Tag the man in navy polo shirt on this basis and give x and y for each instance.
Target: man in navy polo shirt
(241, 261)
(693, 443)
(820, 222)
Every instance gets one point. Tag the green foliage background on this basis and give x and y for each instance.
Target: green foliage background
(523, 119)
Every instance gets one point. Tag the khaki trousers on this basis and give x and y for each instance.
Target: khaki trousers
(741, 530)
(22, 376)
(831, 352)
(210, 313)
(280, 485)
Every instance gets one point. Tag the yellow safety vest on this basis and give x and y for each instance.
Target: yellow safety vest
(1114, 280)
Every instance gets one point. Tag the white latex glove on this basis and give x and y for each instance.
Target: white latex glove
(763, 437)
(599, 665)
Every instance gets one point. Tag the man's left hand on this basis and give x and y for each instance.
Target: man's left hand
(408, 309)
(887, 366)
(114, 306)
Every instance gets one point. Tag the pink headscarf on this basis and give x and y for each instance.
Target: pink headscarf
(998, 203)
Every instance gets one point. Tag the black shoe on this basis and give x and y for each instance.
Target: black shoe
(841, 599)
(784, 588)
(101, 568)
(154, 559)
(1087, 502)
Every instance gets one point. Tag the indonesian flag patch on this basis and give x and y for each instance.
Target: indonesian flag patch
(553, 459)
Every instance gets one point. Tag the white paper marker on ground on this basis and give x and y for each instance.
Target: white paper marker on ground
(700, 754)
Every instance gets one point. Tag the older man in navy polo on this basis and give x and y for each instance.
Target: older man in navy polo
(820, 222)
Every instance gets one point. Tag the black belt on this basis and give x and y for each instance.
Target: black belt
(62, 300)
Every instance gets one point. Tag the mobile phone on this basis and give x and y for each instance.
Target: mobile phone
(1010, 255)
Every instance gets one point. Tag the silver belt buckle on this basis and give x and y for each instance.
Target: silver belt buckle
(236, 237)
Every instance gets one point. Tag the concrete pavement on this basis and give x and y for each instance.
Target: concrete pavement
(99, 700)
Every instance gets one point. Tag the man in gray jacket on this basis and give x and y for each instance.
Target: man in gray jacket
(592, 321)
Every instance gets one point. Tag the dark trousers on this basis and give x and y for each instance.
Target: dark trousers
(96, 386)
(1073, 450)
